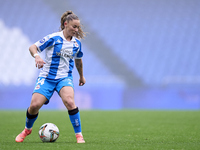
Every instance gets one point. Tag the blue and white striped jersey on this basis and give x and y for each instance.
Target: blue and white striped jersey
(59, 55)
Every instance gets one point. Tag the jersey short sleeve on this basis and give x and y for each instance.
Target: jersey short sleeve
(79, 53)
(44, 43)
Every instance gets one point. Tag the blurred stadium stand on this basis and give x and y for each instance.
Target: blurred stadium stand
(139, 54)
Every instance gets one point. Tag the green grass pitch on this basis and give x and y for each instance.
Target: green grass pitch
(108, 130)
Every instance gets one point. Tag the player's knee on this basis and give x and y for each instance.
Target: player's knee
(69, 102)
(71, 105)
(34, 107)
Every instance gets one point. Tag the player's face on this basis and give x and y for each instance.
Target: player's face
(72, 27)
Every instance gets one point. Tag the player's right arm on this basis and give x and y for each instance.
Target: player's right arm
(39, 62)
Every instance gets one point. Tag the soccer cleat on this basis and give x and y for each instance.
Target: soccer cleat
(79, 138)
(22, 135)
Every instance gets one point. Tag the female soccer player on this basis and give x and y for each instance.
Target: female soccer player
(56, 73)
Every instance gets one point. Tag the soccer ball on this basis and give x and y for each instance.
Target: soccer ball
(48, 132)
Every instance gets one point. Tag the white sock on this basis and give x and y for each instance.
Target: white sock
(78, 133)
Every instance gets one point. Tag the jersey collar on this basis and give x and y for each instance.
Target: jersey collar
(73, 38)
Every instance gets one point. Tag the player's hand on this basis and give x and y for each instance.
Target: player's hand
(39, 62)
(82, 81)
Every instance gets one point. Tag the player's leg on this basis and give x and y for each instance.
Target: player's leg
(42, 93)
(31, 115)
(32, 112)
(67, 95)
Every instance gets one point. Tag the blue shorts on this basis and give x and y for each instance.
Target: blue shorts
(47, 87)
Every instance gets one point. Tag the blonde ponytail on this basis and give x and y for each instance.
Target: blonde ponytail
(69, 16)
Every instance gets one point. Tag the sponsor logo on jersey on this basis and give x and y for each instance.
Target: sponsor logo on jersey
(42, 40)
(65, 53)
(58, 41)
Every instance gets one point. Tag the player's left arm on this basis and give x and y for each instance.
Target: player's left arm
(79, 66)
